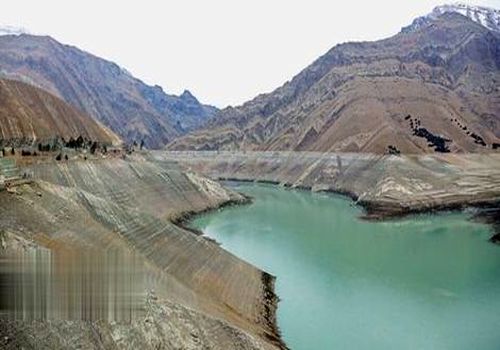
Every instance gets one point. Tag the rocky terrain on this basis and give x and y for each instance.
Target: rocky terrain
(433, 87)
(202, 297)
(386, 185)
(103, 90)
(29, 115)
(402, 125)
(485, 16)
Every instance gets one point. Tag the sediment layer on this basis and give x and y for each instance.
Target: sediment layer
(203, 296)
(386, 185)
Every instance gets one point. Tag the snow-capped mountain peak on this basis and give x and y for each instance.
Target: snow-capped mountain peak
(485, 16)
(12, 30)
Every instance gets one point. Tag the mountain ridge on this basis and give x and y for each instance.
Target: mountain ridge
(100, 88)
(449, 69)
(485, 16)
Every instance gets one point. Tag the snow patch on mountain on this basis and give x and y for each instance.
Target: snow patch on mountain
(485, 16)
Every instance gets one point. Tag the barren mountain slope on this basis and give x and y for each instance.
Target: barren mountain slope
(203, 296)
(101, 88)
(29, 114)
(432, 88)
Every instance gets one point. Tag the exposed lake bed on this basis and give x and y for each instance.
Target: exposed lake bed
(424, 281)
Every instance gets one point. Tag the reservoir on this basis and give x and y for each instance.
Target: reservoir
(422, 282)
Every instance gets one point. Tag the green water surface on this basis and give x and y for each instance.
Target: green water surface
(425, 282)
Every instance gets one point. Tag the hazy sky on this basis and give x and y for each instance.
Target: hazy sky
(224, 51)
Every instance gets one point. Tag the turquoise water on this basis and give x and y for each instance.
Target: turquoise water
(425, 282)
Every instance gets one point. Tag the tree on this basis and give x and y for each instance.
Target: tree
(93, 148)
(12, 151)
(71, 143)
(79, 142)
(142, 145)
(59, 157)
(65, 157)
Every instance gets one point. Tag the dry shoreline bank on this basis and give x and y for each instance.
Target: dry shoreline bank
(141, 203)
(488, 212)
(385, 186)
(133, 204)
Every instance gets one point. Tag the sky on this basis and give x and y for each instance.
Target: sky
(224, 51)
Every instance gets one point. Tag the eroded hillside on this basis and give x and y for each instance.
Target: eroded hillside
(201, 296)
(434, 88)
(29, 115)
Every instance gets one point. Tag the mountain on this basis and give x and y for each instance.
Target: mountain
(102, 89)
(434, 88)
(29, 115)
(485, 16)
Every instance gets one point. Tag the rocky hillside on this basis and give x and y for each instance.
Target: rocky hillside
(196, 295)
(29, 114)
(100, 88)
(434, 88)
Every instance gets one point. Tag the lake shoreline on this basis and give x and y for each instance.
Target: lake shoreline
(269, 297)
(224, 228)
(378, 211)
(183, 219)
(131, 204)
(386, 186)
